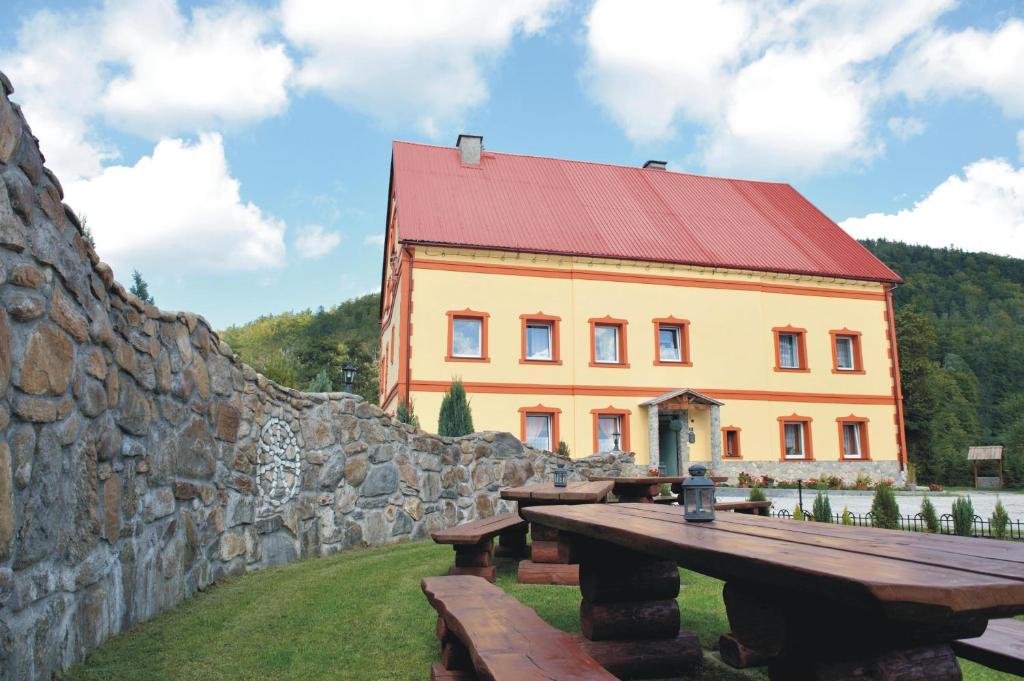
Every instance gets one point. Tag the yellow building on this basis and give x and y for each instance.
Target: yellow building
(681, 317)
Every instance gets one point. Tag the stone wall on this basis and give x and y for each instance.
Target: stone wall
(795, 470)
(140, 460)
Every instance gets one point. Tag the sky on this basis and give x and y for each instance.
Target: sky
(237, 154)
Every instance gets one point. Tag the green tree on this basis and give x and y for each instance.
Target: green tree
(757, 494)
(321, 383)
(822, 509)
(563, 449)
(884, 508)
(963, 517)
(847, 518)
(1000, 520)
(931, 519)
(798, 513)
(140, 288)
(404, 414)
(456, 417)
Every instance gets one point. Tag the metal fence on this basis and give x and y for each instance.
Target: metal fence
(916, 523)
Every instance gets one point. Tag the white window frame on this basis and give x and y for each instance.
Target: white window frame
(617, 329)
(795, 353)
(550, 328)
(551, 423)
(851, 342)
(677, 333)
(479, 337)
(611, 441)
(856, 426)
(801, 427)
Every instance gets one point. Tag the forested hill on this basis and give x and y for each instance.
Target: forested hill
(960, 319)
(960, 328)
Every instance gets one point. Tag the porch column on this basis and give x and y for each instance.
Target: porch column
(684, 444)
(716, 437)
(653, 453)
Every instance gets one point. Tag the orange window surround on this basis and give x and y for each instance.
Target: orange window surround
(541, 318)
(858, 358)
(862, 432)
(801, 348)
(540, 410)
(683, 325)
(467, 314)
(733, 433)
(621, 325)
(805, 423)
(623, 415)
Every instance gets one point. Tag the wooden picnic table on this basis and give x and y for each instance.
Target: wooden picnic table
(550, 559)
(638, 489)
(820, 601)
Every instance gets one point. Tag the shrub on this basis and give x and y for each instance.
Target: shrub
(563, 449)
(798, 513)
(757, 494)
(931, 519)
(456, 418)
(1000, 520)
(321, 383)
(822, 509)
(744, 479)
(847, 518)
(863, 482)
(404, 414)
(963, 517)
(885, 509)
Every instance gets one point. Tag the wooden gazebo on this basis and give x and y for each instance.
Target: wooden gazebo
(980, 456)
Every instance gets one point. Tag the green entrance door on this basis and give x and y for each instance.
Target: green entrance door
(668, 444)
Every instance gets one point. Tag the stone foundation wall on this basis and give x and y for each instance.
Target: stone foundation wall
(141, 461)
(794, 470)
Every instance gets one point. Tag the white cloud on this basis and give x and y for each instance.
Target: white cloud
(1020, 145)
(774, 88)
(967, 62)
(145, 67)
(403, 60)
(905, 128)
(374, 239)
(980, 210)
(176, 211)
(313, 241)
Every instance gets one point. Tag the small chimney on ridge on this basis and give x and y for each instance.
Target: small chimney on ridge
(656, 165)
(470, 147)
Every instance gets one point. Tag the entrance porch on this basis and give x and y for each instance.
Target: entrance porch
(671, 418)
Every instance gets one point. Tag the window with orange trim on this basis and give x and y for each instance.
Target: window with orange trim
(608, 422)
(853, 438)
(467, 336)
(795, 438)
(846, 354)
(672, 342)
(540, 339)
(538, 427)
(790, 348)
(608, 342)
(731, 442)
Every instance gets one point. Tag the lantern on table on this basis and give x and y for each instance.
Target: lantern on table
(698, 495)
(561, 475)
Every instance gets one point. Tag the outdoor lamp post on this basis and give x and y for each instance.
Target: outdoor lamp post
(698, 495)
(561, 475)
(616, 435)
(348, 372)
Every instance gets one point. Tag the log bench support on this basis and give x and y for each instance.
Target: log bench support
(551, 559)
(629, 615)
(474, 542)
(773, 628)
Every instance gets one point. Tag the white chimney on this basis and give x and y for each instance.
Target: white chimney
(470, 147)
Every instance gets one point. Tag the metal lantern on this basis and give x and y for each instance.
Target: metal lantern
(616, 435)
(691, 436)
(348, 372)
(561, 475)
(698, 495)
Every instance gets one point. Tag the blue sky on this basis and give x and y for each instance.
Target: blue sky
(237, 154)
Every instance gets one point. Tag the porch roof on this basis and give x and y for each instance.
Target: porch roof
(690, 394)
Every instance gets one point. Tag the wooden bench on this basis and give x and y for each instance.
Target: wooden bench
(752, 507)
(487, 634)
(473, 543)
(1000, 647)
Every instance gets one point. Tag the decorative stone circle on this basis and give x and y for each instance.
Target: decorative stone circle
(279, 465)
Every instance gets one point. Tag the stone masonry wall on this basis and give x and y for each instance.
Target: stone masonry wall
(141, 461)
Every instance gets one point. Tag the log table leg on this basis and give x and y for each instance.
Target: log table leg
(455, 664)
(779, 628)
(551, 559)
(629, 615)
(636, 493)
(512, 544)
(474, 559)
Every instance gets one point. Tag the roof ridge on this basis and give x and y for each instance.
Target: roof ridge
(601, 163)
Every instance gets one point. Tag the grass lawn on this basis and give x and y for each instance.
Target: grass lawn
(357, 615)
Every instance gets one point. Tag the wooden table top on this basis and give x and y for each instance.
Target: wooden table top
(910, 576)
(572, 493)
(641, 480)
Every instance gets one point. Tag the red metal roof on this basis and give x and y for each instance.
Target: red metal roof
(546, 205)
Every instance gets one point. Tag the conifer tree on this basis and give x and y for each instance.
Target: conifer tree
(931, 519)
(140, 288)
(456, 418)
(884, 508)
(822, 509)
(404, 414)
(999, 520)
